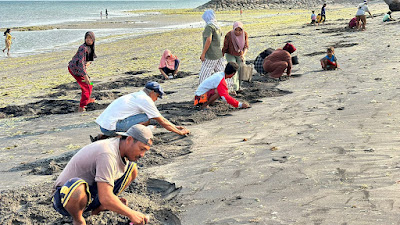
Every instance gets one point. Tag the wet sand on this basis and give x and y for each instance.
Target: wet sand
(318, 148)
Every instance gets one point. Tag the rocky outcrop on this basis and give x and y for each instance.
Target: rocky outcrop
(266, 4)
(257, 4)
(394, 5)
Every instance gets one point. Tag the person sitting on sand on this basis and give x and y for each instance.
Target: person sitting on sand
(77, 68)
(98, 173)
(215, 87)
(313, 18)
(258, 62)
(169, 64)
(236, 44)
(8, 41)
(388, 17)
(134, 108)
(329, 62)
(279, 61)
(362, 8)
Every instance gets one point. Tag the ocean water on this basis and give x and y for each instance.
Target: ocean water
(38, 13)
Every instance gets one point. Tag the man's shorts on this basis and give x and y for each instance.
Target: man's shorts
(199, 100)
(62, 194)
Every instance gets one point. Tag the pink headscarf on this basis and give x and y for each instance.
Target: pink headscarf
(238, 41)
(167, 62)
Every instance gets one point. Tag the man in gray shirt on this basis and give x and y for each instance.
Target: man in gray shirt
(98, 173)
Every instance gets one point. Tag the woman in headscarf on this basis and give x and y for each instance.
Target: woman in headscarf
(77, 68)
(278, 61)
(236, 44)
(8, 41)
(211, 56)
(169, 64)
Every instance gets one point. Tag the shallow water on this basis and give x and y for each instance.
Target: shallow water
(14, 14)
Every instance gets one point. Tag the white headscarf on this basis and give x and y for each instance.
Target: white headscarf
(209, 18)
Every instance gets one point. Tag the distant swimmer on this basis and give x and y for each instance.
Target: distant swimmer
(134, 108)
(98, 173)
(77, 68)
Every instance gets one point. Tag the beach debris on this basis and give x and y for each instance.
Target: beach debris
(340, 108)
(281, 159)
(378, 78)
(369, 150)
(166, 189)
(273, 148)
(244, 139)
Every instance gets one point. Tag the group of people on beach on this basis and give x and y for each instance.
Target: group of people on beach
(99, 172)
(96, 175)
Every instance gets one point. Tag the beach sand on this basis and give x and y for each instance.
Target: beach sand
(318, 148)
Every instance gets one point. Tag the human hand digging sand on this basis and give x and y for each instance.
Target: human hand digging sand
(146, 220)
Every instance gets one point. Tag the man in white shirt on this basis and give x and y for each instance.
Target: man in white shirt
(362, 8)
(135, 108)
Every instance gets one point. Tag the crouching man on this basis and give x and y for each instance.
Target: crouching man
(98, 173)
(215, 87)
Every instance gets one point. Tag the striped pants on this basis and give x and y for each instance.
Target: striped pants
(209, 67)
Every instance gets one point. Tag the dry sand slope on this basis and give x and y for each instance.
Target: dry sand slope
(320, 150)
(325, 154)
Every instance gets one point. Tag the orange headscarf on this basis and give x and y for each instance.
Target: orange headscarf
(166, 61)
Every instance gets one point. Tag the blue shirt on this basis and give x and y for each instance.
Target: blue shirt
(332, 59)
(323, 10)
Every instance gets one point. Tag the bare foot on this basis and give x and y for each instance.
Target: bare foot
(81, 109)
(97, 210)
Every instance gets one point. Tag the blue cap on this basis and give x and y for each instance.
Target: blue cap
(152, 85)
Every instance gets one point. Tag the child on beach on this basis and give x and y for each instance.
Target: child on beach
(323, 17)
(319, 18)
(8, 41)
(169, 64)
(353, 23)
(388, 17)
(313, 18)
(329, 62)
(77, 68)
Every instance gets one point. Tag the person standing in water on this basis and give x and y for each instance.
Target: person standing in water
(77, 68)
(8, 40)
